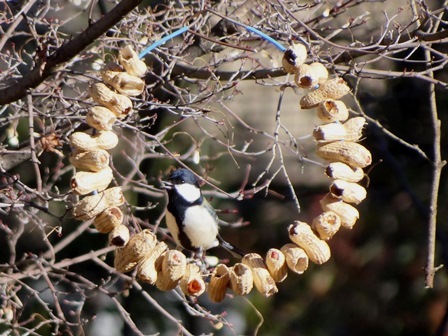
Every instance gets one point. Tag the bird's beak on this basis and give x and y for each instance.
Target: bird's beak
(167, 185)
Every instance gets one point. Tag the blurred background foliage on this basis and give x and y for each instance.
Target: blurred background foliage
(374, 282)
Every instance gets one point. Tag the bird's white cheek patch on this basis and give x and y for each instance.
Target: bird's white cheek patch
(188, 191)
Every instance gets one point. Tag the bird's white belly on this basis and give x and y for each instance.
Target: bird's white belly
(200, 227)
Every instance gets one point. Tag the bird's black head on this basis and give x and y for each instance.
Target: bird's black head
(182, 175)
(183, 186)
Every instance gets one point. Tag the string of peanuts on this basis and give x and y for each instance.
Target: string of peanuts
(165, 268)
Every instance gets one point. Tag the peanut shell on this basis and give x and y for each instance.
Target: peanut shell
(293, 57)
(219, 281)
(108, 220)
(296, 258)
(342, 171)
(263, 281)
(331, 110)
(276, 264)
(192, 283)
(326, 224)
(308, 76)
(351, 153)
(241, 279)
(334, 88)
(119, 104)
(354, 127)
(93, 160)
(83, 183)
(346, 212)
(91, 206)
(128, 58)
(123, 82)
(348, 191)
(85, 142)
(330, 132)
(317, 250)
(151, 264)
(119, 236)
(138, 247)
(100, 118)
(174, 264)
(164, 282)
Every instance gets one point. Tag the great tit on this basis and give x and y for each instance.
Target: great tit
(191, 220)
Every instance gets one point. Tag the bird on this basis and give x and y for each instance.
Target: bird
(192, 221)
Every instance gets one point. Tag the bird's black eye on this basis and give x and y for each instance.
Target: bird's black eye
(178, 181)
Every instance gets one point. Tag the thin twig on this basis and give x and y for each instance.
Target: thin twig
(148, 297)
(280, 151)
(19, 17)
(67, 239)
(62, 264)
(438, 164)
(34, 160)
(66, 52)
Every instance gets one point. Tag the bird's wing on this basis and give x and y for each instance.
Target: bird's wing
(235, 251)
(210, 209)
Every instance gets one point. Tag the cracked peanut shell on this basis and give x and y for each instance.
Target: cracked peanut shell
(308, 76)
(293, 57)
(331, 110)
(139, 246)
(91, 206)
(349, 192)
(108, 220)
(220, 279)
(296, 258)
(330, 132)
(119, 236)
(128, 58)
(151, 265)
(276, 264)
(326, 224)
(351, 130)
(192, 283)
(241, 279)
(342, 171)
(354, 127)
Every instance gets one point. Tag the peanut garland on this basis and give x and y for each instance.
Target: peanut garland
(90, 154)
(158, 265)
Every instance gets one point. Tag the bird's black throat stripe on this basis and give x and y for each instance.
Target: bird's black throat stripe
(177, 206)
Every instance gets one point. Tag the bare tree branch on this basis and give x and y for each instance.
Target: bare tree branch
(48, 66)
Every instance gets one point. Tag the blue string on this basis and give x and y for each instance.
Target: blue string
(182, 30)
(162, 41)
(264, 36)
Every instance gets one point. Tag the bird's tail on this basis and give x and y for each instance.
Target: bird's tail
(235, 251)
